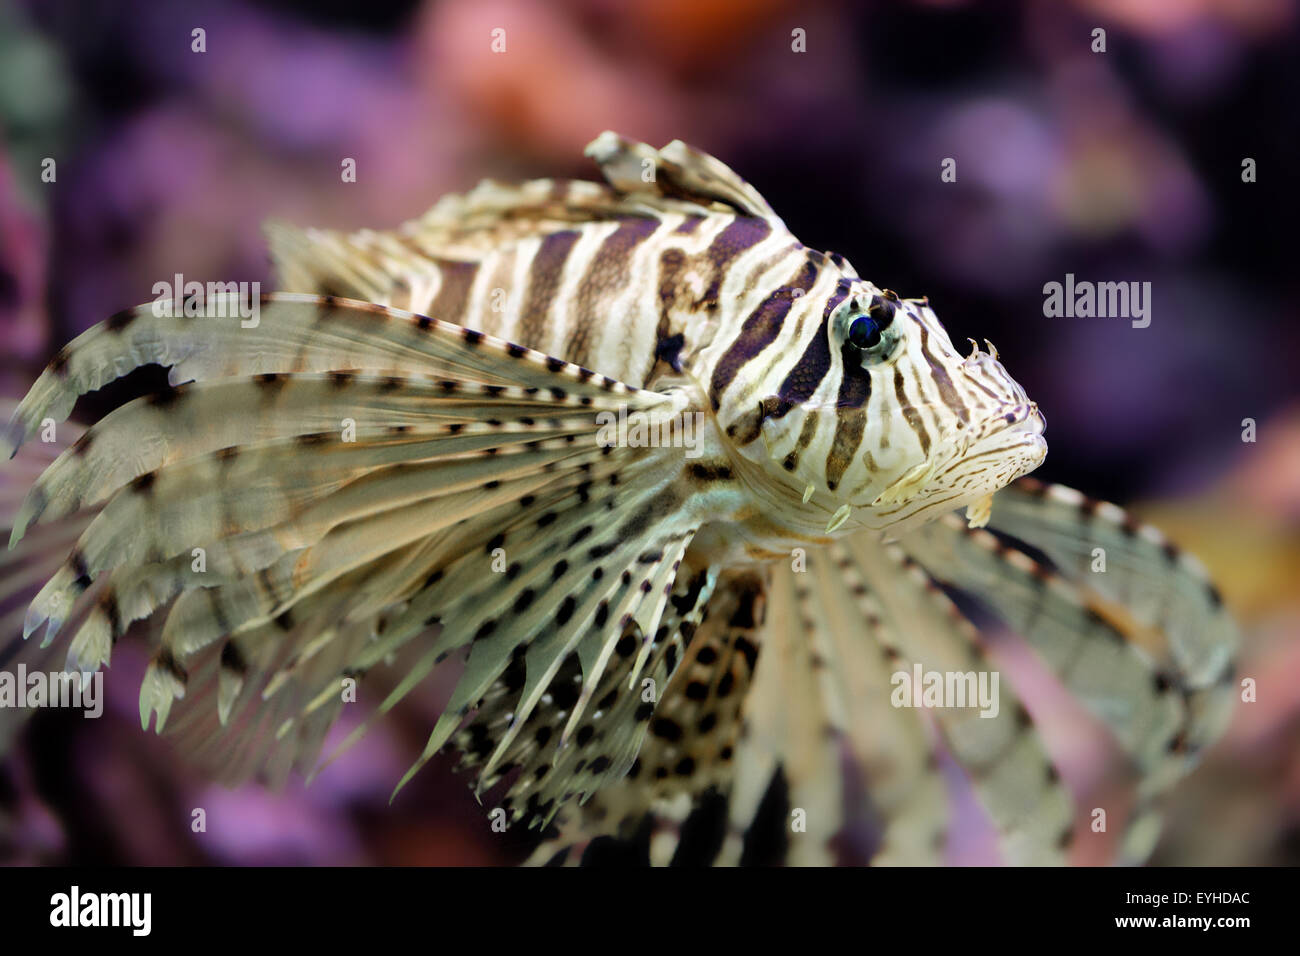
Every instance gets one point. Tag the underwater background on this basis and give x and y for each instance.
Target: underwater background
(1123, 165)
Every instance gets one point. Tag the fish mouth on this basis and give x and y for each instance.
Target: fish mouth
(1005, 447)
(1010, 445)
(1023, 420)
(1015, 434)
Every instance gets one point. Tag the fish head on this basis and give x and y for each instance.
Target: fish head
(873, 416)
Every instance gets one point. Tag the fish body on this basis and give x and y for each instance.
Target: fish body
(723, 304)
(678, 489)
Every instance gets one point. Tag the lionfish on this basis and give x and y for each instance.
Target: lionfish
(409, 458)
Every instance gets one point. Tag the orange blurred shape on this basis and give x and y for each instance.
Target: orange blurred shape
(1257, 18)
(530, 74)
(699, 30)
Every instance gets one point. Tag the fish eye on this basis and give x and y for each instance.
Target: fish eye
(866, 331)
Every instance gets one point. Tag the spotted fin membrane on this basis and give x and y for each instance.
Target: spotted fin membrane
(817, 734)
(326, 553)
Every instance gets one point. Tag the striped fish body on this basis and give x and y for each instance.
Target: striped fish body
(409, 458)
(711, 295)
(579, 272)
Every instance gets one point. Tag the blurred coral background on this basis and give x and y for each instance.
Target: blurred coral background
(1122, 166)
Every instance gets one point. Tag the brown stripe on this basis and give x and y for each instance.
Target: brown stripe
(912, 416)
(743, 233)
(851, 424)
(815, 362)
(668, 345)
(855, 380)
(607, 274)
(806, 434)
(760, 329)
(946, 390)
(453, 293)
(746, 428)
(544, 274)
(672, 263)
